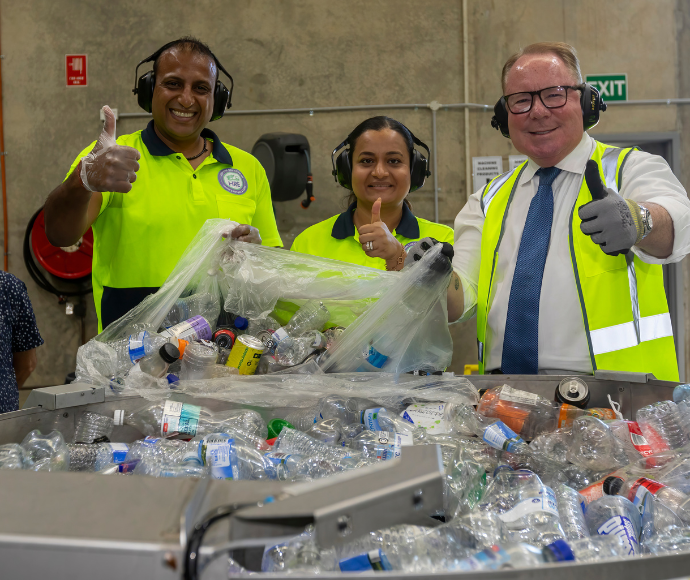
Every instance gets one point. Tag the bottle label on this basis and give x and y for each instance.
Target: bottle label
(119, 417)
(517, 396)
(370, 419)
(278, 335)
(622, 527)
(136, 346)
(500, 436)
(374, 560)
(389, 445)
(641, 488)
(375, 358)
(429, 416)
(638, 440)
(277, 458)
(180, 417)
(546, 502)
(119, 451)
(196, 328)
(218, 452)
(492, 558)
(601, 413)
(129, 466)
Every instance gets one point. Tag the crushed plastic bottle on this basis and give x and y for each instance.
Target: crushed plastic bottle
(95, 457)
(594, 446)
(328, 407)
(635, 489)
(202, 304)
(13, 456)
(661, 425)
(46, 453)
(291, 351)
(614, 515)
(571, 509)
(93, 426)
(313, 315)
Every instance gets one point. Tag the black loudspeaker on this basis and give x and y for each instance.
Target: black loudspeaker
(143, 87)
(590, 102)
(419, 165)
(285, 158)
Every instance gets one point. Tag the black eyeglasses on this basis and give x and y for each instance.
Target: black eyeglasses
(551, 98)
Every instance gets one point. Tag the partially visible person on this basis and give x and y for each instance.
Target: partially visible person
(381, 167)
(19, 339)
(147, 194)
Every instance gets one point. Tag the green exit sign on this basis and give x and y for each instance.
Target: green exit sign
(611, 87)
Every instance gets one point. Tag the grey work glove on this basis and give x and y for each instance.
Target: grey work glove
(415, 253)
(611, 221)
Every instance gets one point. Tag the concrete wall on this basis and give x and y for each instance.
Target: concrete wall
(302, 53)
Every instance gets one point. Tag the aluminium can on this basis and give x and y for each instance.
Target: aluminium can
(245, 354)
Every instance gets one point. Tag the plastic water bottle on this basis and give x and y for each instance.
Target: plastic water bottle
(47, 453)
(218, 452)
(380, 445)
(292, 351)
(313, 315)
(328, 407)
(294, 441)
(13, 456)
(156, 364)
(661, 425)
(571, 506)
(92, 426)
(382, 419)
(202, 304)
(136, 346)
(327, 430)
(589, 549)
(259, 325)
(295, 467)
(636, 489)
(527, 507)
(83, 457)
(199, 361)
(594, 446)
(157, 468)
(613, 515)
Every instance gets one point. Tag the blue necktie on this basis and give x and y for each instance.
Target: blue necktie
(521, 339)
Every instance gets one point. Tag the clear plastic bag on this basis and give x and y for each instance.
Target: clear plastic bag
(396, 321)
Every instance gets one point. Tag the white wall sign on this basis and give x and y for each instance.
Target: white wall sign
(515, 160)
(484, 169)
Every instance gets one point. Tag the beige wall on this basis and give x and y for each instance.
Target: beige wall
(302, 53)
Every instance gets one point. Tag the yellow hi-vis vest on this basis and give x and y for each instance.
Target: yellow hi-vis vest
(622, 299)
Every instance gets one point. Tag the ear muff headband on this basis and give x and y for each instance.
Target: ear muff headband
(144, 85)
(590, 102)
(419, 165)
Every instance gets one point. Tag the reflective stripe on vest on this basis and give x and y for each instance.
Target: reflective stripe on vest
(634, 335)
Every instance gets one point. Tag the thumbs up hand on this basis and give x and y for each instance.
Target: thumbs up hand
(109, 166)
(611, 221)
(377, 240)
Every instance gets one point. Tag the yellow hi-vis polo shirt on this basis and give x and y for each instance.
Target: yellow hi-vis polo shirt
(338, 239)
(140, 236)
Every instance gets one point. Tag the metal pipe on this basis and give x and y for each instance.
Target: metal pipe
(434, 156)
(488, 108)
(466, 96)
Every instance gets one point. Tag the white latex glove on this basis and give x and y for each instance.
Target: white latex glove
(109, 166)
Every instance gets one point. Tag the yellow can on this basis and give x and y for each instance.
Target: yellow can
(245, 354)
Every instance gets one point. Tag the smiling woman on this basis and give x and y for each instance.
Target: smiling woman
(380, 167)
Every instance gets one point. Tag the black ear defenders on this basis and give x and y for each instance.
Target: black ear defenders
(143, 86)
(590, 101)
(419, 165)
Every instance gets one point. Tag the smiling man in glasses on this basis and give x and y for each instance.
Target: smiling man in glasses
(561, 258)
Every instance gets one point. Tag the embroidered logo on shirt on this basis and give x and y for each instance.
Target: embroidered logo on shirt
(232, 180)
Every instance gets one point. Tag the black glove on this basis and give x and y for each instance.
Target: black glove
(611, 221)
(415, 253)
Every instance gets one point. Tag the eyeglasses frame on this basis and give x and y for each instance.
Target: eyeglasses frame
(532, 93)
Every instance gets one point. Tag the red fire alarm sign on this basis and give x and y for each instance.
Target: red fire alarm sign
(75, 69)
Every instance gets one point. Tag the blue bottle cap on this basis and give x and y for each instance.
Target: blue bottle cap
(558, 551)
(375, 358)
(241, 323)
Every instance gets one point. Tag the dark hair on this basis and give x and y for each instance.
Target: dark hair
(187, 44)
(378, 124)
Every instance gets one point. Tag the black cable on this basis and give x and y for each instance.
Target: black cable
(34, 270)
(191, 556)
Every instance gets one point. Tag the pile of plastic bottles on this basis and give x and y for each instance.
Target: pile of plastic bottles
(584, 489)
(195, 342)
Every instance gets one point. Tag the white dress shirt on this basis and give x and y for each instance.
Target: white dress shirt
(562, 339)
